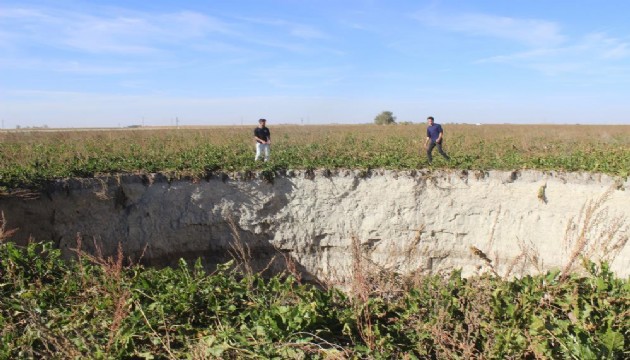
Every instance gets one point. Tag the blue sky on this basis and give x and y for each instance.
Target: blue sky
(68, 63)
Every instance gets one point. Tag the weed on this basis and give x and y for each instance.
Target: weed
(4, 233)
(240, 250)
(594, 234)
(47, 311)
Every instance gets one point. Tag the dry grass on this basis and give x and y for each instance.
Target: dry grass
(594, 234)
(113, 268)
(4, 233)
(360, 292)
(239, 250)
(591, 235)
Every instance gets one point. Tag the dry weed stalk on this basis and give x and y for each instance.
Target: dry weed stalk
(480, 254)
(361, 294)
(490, 242)
(57, 346)
(240, 251)
(120, 313)
(448, 346)
(593, 234)
(528, 255)
(165, 344)
(332, 280)
(113, 267)
(291, 267)
(4, 233)
(413, 250)
(359, 286)
(406, 269)
(519, 259)
(321, 347)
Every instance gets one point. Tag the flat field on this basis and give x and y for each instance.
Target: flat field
(28, 158)
(96, 307)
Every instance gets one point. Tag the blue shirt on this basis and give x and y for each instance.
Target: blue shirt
(434, 131)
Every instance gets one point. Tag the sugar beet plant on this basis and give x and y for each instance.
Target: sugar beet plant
(97, 308)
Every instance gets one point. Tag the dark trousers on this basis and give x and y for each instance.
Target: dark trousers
(439, 147)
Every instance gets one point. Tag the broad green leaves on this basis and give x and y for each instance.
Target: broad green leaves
(88, 308)
(32, 158)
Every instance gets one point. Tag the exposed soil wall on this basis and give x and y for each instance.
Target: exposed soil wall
(429, 221)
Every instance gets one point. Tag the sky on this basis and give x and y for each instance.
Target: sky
(71, 64)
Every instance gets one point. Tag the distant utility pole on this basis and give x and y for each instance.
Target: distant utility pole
(177, 122)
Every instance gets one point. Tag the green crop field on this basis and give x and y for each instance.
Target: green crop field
(29, 158)
(104, 308)
(99, 309)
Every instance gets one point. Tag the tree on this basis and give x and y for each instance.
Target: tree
(385, 118)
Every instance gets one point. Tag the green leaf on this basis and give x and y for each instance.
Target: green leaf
(537, 325)
(145, 355)
(218, 350)
(260, 331)
(613, 341)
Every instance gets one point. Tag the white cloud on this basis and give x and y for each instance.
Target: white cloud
(532, 32)
(605, 47)
(295, 77)
(594, 54)
(23, 14)
(67, 66)
(140, 35)
(120, 32)
(307, 32)
(299, 30)
(545, 48)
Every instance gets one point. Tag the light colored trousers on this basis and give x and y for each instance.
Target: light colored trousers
(262, 149)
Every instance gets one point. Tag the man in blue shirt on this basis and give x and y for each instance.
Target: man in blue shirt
(434, 138)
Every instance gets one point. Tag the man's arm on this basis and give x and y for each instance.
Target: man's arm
(439, 139)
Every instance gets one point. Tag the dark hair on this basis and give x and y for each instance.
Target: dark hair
(261, 120)
(431, 117)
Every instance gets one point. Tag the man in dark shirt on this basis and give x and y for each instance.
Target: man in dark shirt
(262, 136)
(434, 138)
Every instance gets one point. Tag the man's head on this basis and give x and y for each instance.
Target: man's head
(430, 120)
(262, 122)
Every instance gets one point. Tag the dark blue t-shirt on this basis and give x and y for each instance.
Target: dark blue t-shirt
(434, 131)
(262, 133)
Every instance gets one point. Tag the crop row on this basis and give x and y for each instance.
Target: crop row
(30, 158)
